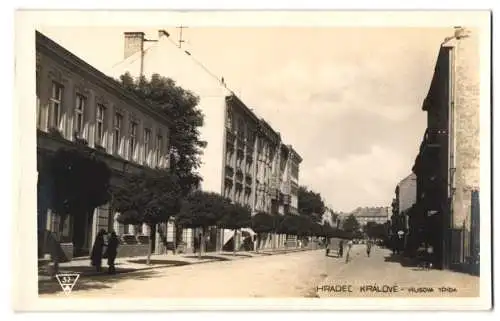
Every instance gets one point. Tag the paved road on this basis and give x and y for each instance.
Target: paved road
(382, 275)
(302, 274)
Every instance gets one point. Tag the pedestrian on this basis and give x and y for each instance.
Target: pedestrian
(341, 248)
(327, 248)
(97, 250)
(112, 251)
(349, 247)
(368, 247)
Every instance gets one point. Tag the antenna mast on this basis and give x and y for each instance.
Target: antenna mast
(181, 41)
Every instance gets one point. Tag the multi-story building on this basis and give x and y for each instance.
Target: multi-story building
(401, 209)
(447, 166)
(378, 215)
(245, 158)
(407, 193)
(77, 104)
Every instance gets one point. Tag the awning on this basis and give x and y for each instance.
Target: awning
(247, 232)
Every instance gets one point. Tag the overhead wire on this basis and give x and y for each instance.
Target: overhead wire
(200, 64)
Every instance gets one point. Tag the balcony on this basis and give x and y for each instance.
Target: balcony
(239, 175)
(230, 135)
(229, 171)
(248, 179)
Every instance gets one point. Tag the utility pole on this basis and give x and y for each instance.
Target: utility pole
(181, 27)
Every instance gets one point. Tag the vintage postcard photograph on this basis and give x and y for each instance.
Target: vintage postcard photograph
(253, 160)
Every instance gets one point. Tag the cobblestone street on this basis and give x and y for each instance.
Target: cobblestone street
(301, 274)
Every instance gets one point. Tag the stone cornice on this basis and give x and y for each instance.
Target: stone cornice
(234, 101)
(77, 65)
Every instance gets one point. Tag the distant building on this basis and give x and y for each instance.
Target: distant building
(407, 193)
(378, 215)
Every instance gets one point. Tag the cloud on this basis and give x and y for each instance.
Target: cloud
(358, 180)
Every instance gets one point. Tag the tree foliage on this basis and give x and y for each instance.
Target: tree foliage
(78, 181)
(151, 197)
(203, 209)
(311, 204)
(235, 217)
(263, 222)
(376, 230)
(181, 106)
(351, 224)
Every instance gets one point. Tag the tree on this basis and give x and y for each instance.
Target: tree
(203, 210)
(235, 217)
(311, 204)
(151, 197)
(305, 226)
(262, 222)
(181, 106)
(351, 225)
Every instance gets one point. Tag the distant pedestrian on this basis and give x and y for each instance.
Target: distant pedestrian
(341, 248)
(349, 247)
(97, 250)
(112, 251)
(368, 247)
(327, 248)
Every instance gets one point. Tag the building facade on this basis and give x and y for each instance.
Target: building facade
(407, 193)
(379, 215)
(77, 104)
(447, 166)
(245, 158)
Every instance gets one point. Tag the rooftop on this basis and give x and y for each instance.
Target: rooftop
(371, 211)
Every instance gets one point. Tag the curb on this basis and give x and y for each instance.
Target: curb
(149, 268)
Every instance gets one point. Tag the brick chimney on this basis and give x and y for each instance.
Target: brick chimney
(461, 32)
(134, 43)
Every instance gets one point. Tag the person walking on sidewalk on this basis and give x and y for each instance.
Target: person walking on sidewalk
(349, 247)
(97, 250)
(112, 251)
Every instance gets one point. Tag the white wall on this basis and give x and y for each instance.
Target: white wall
(168, 60)
(407, 192)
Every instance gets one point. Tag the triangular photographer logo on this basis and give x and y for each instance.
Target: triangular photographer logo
(67, 281)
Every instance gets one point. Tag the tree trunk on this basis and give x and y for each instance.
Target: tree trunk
(152, 229)
(202, 242)
(234, 242)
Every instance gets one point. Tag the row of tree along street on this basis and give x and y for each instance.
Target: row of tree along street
(76, 181)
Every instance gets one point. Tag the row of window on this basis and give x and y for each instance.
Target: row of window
(295, 170)
(54, 120)
(240, 195)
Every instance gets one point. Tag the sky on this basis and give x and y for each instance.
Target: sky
(348, 99)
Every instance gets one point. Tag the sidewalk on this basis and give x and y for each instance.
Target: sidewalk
(138, 263)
